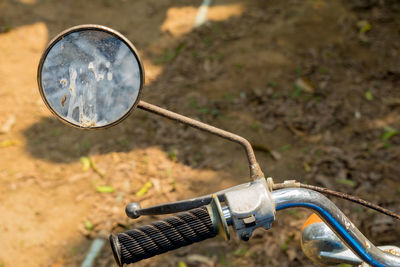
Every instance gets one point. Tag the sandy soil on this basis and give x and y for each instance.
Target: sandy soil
(243, 71)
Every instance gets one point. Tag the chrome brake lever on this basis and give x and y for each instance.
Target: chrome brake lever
(134, 211)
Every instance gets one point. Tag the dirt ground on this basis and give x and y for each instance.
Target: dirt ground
(314, 85)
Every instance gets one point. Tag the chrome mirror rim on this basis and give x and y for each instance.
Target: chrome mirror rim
(85, 27)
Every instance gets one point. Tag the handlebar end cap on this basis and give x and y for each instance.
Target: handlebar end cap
(116, 249)
(132, 210)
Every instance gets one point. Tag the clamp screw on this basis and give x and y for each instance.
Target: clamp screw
(245, 236)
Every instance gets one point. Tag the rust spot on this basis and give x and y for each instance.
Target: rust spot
(63, 82)
(64, 98)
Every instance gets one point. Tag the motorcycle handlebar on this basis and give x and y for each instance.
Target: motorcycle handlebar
(198, 224)
(146, 241)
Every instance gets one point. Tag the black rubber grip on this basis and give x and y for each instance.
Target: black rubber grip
(159, 237)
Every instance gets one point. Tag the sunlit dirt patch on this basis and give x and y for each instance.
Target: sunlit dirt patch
(180, 20)
(20, 50)
(151, 70)
(224, 12)
(26, 40)
(27, 2)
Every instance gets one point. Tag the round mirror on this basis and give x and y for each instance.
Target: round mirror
(90, 77)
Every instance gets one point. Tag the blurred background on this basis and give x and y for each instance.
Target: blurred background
(313, 84)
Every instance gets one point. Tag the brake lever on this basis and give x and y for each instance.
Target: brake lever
(134, 210)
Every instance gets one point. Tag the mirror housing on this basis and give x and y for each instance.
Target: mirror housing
(90, 77)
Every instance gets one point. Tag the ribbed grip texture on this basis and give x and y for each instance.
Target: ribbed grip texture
(159, 237)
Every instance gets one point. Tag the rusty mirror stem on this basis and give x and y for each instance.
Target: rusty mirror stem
(255, 170)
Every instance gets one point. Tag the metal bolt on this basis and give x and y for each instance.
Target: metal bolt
(245, 236)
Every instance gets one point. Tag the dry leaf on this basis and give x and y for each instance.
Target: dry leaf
(144, 189)
(305, 85)
(8, 124)
(9, 142)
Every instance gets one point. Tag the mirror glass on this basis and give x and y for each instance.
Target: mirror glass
(90, 77)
